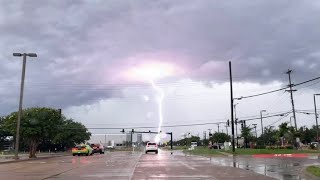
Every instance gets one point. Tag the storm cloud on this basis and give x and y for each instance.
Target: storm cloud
(83, 46)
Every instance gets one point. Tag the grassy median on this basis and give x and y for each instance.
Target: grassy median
(208, 152)
(314, 170)
(203, 151)
(272, 151)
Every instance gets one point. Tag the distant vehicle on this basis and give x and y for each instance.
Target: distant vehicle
(194, 144)
(82, 150)
(97, 148)
(151, 147)
(110, 147)
(314, 144)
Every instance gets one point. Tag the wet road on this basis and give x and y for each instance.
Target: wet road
(124, 165)
(279, 168)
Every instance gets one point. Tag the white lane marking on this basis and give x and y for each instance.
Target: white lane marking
(186, 165)
(182, 176)
(135, 166)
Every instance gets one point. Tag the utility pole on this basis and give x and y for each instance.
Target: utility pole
(209, 133)
(255, 129)
(236, 121)
(131, 137)
(261, 120)
(227, 130)
(231, 105)
(292, 102)
(24, 55)
(218, 128)
(316, 115)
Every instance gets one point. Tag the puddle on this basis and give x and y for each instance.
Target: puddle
(279, 168)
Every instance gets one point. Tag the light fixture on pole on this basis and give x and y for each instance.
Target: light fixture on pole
(24, 55)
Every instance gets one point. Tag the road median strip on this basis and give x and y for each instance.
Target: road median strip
(31, 159)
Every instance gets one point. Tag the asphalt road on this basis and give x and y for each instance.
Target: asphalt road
(124, 165)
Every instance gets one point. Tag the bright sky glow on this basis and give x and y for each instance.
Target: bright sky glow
(151, 71)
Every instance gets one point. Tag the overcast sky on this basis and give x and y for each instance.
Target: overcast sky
(84, 48)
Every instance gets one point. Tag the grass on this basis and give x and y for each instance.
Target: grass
(208, 152)
(271, 151)
(314, 170)
(175, 148)
(203, 151)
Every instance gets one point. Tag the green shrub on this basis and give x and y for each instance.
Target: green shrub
(260, 147)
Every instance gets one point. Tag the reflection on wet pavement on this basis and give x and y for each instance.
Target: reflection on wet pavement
(279, 168)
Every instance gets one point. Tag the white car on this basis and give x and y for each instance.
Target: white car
(151, 147)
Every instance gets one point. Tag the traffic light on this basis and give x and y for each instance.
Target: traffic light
(210, 134)
(122, 131)
(228, 123)
(132, 131)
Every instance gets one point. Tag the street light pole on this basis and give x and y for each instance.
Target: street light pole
(261, 120)
(291, 120)
(24, 55)
(316, 115)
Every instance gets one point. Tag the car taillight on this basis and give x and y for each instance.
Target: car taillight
(74, 149)
(83, 149)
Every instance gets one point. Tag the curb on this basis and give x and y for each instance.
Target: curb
(31, 159)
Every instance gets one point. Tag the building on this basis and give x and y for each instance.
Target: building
(119, 140)
(139, 139)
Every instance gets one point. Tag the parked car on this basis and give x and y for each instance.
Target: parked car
(151, 147)
(97, 148)
(82, 150)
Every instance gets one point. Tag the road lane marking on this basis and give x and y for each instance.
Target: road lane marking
(134, 168)
(186, 165)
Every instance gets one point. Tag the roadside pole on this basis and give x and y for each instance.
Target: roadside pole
(231, 103)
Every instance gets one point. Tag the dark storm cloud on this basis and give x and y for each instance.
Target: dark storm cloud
(85, 44)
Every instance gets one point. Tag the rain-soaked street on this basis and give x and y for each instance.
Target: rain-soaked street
(279, 168)
(124, 165)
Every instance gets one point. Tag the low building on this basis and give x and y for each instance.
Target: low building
(119, 140)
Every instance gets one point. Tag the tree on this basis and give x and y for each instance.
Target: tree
(44, 126)
(36, 124)
(269, 137)
(71, 133)
(246, 134)
(286, 133)
(220, 138)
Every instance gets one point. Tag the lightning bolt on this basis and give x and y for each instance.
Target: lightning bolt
(160, 98)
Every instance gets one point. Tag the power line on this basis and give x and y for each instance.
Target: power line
(275, 121)
(282, 114)
(284, 88)
(152, 127)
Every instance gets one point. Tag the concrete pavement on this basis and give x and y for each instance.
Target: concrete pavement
(123, 165)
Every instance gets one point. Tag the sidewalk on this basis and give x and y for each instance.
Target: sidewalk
(25, 157)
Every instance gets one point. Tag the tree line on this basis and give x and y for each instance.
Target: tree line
(283, 136)
(44, 129)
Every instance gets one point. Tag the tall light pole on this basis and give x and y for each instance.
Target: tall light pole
(291, 120)
(316, 115)
(261, 119)
(24, 55)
